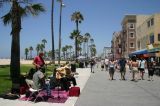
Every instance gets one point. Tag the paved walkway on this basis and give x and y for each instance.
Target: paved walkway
(81, 79)
(99, 91)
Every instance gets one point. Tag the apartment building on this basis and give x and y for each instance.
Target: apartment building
(128, 37)
(106, 52)
(138, 32)
(116, 45)
(148, 33)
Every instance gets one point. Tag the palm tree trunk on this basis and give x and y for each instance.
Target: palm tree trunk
(15, 48)
(60, 17)
(52, 32)
(87, 50)
(76, 45)
(26, 57)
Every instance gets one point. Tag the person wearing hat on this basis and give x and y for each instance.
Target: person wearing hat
(39, 63)
(64, 75)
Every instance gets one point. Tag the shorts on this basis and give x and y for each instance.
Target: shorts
(111, 70)
(135, 70)
(141, 69)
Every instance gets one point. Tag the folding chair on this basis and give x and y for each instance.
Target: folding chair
(33, 89)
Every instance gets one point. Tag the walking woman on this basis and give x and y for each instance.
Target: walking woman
(111, 69)
(134, 68)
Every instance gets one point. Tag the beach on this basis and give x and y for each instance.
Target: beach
(23, 61)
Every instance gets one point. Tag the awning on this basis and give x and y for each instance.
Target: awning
(138, 52)
(154, 50)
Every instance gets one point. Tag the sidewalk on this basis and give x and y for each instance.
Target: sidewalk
(84, 74)
(100, 91)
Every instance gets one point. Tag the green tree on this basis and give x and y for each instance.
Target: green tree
(19, 9)
(38, 48)
(44, 41)
(79, 42)
(77, 17)
(42, 47)
(70, 47)
(26, 53)
(74, 35)
(64, 49)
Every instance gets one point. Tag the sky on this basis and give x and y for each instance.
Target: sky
(101, 19)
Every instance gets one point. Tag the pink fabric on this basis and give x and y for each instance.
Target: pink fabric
(63, 96)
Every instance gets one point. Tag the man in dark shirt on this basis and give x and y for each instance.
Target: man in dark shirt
(122, 64)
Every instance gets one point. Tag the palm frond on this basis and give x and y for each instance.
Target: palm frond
(6, 18)
(34, 9)
(22, 12)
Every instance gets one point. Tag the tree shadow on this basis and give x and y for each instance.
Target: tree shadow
(4, 66)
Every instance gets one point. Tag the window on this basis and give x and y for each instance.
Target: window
(148, 24)
(131, 34)
(159, 37)
(131, 45)
(131, 26)
(152, 22)
(151, 39)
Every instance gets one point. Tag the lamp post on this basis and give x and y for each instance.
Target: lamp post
(60, 18)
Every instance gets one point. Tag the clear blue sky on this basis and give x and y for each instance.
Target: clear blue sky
(101, 19)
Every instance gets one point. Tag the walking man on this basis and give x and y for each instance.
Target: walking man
(122, 64)
(92, 63)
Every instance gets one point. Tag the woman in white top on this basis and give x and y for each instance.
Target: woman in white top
(111, 68)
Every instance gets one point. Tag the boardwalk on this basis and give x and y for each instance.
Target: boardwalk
(99, 91)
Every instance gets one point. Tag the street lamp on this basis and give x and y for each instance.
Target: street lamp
(60, 18)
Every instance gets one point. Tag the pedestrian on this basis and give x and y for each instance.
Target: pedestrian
(151, 68)
(92, 63)
(111, 69)
(102, 64)
(142, 66)
(134, 68)
(122, 64)
(106, 63)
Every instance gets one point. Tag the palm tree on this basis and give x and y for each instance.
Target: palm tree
(74, 35)
(93, 50)
(70, 47)
(64, 49)
(87, 37)
(67, 47)
(79, 42)
(30, 49)
(52, 31)
(14, 17)
(92, 45)
(56, 52)
(38, 48)
(44, 41)
(42, 47)
(77, 17)
(26, 53)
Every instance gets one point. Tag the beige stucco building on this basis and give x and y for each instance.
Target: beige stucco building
(148, 33)
(138, 32)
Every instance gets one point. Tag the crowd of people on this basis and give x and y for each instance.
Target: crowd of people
(137, 67)
(63, 76)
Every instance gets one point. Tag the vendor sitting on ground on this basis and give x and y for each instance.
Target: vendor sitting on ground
(64, 75)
